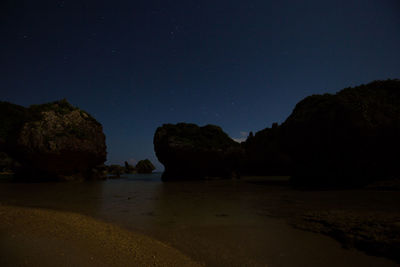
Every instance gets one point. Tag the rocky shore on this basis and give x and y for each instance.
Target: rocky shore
(365, 219)
(376, 233)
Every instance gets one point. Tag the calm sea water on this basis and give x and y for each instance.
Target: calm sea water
(218, 222)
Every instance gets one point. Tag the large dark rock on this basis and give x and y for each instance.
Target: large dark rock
(7, 163)
(129, 168)
(12, 117)
(264, 154)
(145, 166)
(188, 151)
(54, 140)
(345, 139)
(115, 170)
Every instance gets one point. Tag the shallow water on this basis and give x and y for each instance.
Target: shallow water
(218, 222)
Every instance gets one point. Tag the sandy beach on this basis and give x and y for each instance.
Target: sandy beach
(39, 237)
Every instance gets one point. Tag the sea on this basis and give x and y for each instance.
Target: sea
(215, 222)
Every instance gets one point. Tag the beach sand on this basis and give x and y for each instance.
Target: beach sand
(39, 237)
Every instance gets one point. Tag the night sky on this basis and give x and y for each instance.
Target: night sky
(242, 65)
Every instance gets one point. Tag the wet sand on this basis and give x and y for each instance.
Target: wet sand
(38, 237)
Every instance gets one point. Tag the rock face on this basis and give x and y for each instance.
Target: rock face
(7, 163)
(188, 151)
(265, 154)
(349, 138)
(116, 170)
(145, 166)
(56, 140)
(129, 168)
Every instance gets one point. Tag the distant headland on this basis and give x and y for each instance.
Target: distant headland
(348, 139)
(345, 139)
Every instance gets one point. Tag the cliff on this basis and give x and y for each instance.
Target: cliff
(54, 141)
(188, 151)
(345, 139)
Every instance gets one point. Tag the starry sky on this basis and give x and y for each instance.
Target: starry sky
(242, 65)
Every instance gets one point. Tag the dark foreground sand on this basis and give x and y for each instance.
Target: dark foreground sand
(38, 237)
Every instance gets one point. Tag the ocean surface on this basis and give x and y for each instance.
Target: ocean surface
(216, 222)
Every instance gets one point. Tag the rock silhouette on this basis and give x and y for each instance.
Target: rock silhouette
(188, 151)
(345, 139)
(145, 166)
(129, 168)
(54, 140)
(350, 138)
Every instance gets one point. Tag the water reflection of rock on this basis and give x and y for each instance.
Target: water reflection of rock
(204, 219)
(227, 223)
(81, 197)
(203, 202)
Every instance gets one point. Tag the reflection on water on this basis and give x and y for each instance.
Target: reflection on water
(82, 197)
(220, 223)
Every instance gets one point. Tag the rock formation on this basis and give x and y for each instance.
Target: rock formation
(145, 166)
(264, 154)
(115, 170)
(54, 140)
(188, 151)
(7, 163)
(350, 138)
(344, 139)
(129, 168)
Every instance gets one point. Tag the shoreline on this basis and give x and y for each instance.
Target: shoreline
(40, 237)
(272, 222)
(375, 233)
(362, 219)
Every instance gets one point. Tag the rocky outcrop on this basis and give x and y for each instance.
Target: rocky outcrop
(188, 151)
(376, 233)
(344, 139)
(115, 170)
(264, 154)
(7, 163)
(54, 140)
(129, 168)
(145, 166)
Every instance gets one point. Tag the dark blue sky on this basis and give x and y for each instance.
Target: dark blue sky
(242, 65)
